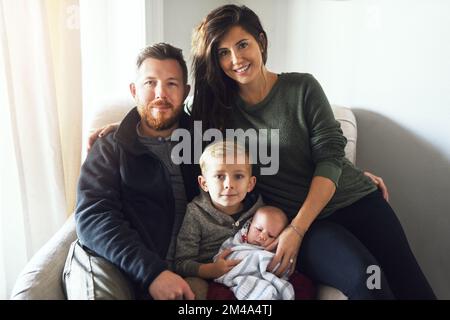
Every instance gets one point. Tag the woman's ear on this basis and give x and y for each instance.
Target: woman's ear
(202, 183)
(263, 42)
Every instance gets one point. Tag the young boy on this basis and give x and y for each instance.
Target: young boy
(222, 208)
(217, 214)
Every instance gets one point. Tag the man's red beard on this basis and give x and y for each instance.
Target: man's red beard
(160, 122)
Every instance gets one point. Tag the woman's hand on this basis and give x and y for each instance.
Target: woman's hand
(288, 245)
(100, 132)
(380, 184)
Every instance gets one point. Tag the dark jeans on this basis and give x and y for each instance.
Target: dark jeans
(338, 249)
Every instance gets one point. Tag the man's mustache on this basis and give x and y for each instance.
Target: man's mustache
(160, 103)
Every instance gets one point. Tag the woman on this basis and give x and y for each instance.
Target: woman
(340, 223)
(341, 227)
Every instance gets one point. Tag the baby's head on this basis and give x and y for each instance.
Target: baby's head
(226, 175)
(266, 226)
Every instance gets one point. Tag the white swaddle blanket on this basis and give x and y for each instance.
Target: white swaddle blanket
(249, 280)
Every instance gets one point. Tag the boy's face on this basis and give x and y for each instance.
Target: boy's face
(264, 229)
(227, 184)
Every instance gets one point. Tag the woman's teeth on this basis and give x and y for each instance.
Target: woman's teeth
(243, 69)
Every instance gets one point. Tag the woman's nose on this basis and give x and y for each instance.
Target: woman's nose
(235, 57)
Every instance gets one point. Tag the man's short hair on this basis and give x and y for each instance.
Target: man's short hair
(224, 150)
(163, 51)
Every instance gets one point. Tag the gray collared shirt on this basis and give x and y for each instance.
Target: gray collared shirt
(162, 148)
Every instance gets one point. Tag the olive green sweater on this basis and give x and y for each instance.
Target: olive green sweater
(310, 144)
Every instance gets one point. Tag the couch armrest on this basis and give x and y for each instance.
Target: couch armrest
(41, 278)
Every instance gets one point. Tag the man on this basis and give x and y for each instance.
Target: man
(131, 196)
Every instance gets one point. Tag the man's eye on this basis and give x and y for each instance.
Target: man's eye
(239, 176)
(173, 84)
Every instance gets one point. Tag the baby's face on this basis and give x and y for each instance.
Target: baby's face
(264, 229)
(227, 184)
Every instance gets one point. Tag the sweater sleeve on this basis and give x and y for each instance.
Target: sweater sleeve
(326, 138)
(100, 221)
(188, 244)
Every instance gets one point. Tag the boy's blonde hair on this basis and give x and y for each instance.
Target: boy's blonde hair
(227, 151)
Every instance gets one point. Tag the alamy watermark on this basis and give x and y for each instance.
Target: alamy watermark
(374, 280)
(73, 17)
(263, 145)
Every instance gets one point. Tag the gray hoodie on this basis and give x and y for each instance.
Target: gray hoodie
(203, 231)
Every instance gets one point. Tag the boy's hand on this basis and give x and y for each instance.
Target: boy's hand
(219, 267)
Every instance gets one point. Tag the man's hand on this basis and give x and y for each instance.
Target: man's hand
(170, 286)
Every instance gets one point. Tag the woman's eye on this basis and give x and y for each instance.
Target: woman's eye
(223, 53)
(243, 45)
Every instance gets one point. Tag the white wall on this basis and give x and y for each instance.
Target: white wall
(179, 18)
(389, 61)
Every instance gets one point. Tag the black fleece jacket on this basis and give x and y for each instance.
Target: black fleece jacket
(125, 203)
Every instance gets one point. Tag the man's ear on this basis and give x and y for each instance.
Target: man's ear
(251, 184)
(133, 89)
(202, 183)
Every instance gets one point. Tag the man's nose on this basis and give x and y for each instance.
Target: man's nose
(160, 92)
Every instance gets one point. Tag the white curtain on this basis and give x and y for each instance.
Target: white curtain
(40, 126)
(112, 33)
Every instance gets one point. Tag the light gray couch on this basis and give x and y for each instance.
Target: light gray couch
(42, 276)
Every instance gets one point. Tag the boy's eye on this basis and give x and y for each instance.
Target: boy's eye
(219, 176)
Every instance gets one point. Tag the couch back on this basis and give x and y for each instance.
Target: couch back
(115, 109)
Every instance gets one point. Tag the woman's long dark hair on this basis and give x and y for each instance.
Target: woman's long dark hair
(215, 92)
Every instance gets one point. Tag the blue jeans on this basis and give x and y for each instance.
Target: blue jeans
(338, 249)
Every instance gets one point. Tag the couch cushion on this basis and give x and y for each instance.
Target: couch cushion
(41, 278)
